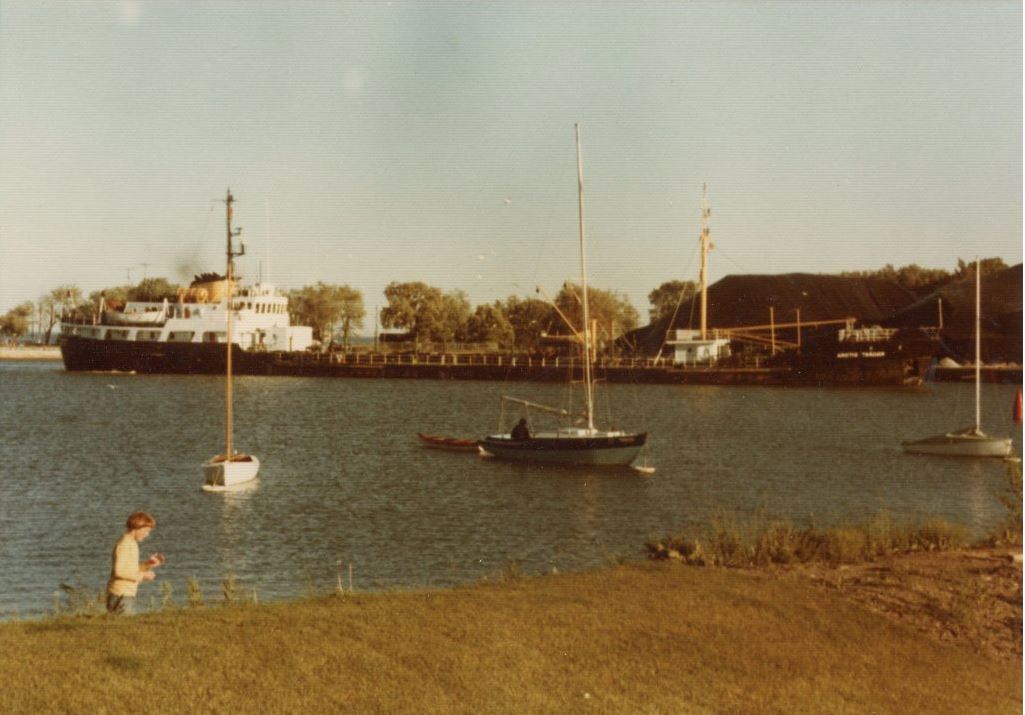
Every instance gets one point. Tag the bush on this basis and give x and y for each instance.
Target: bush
(776, 544)
(1010, 532)
(777, 541)
(726, 545)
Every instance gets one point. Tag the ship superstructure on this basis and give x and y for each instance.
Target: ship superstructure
(177, 335)
(260, 316)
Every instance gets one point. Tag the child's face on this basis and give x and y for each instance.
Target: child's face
(141, 534)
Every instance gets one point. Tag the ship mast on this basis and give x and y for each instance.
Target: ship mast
(978, 345)
(583, 280)
(706, 245)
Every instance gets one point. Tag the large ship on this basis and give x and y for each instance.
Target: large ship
(186, 335)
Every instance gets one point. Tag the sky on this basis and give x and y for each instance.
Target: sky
(374, 142)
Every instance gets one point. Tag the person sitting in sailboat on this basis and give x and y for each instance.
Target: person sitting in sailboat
(521, 432)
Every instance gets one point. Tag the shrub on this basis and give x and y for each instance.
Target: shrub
(777, 541)
(726, 545)
(193, 593)
(776, 544)
(1010, 532)
(229, 589)
(166, 595)
(677, 548)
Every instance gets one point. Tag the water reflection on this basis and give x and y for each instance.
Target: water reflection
(233, 507)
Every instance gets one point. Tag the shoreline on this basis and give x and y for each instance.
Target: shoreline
(30, 352)
(649, 636)
(506, 367)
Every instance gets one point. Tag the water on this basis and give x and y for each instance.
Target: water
(344, 479)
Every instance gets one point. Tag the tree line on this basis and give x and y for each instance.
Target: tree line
(923, 281)
(425, 313)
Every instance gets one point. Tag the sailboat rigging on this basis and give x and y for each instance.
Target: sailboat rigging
(230, 468)
(571, 445)
(971, 441)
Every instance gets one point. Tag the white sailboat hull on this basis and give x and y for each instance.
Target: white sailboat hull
(219, 473)
(961, 444)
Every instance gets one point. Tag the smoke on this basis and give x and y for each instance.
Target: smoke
(188, 265)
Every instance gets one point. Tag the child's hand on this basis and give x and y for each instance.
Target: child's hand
(148, 575)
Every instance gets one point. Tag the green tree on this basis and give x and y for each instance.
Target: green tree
(913, 277)
(455, 312)
(60, 301)
(410, 306)
(15, 322)
(488, 324)
(352, 310)
(424, 311)
(611, 310)
(153, 290)
(989, 266)
(667, 297)
(116, 297)
(327, 309)
(529, 318)
(921, 281)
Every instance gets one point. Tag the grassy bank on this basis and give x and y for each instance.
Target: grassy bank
(655, 637)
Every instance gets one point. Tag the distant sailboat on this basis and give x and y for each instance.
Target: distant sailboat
(570, 445)
(971, 441)
(231, 468)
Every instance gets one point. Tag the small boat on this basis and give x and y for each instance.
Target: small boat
(452, 444)
(570, 444)
(148, 316)
(970, 441)
(231, 468)
(219, 473)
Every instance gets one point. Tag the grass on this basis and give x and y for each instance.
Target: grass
(777, 541)
(768, 540)
(634, 638)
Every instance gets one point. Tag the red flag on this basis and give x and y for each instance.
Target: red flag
(1017, 407)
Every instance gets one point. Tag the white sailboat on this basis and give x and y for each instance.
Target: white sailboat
(570, 445)
(231, 468)
(970, 441)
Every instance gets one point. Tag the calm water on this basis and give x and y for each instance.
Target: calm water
(344, 479)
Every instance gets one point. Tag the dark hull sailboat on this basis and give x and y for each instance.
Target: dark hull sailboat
(573, 446)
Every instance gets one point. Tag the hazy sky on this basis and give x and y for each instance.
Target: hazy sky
(372, 142)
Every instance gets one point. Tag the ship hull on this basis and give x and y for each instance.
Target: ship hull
(961, 445)
(85, 354)
(152, 357)
(609, 451)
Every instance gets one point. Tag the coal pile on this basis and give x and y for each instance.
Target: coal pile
(1001, 316)
(742, 300)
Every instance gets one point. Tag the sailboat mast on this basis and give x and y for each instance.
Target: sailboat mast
(588, 387)
(978, 345)
(705, 245)
(227, 382)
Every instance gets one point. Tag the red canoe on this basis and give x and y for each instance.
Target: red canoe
(453, 444)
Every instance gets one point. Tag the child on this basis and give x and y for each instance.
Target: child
(126, 572)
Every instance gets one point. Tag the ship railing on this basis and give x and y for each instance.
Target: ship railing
(481, 359)
(504, 360)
